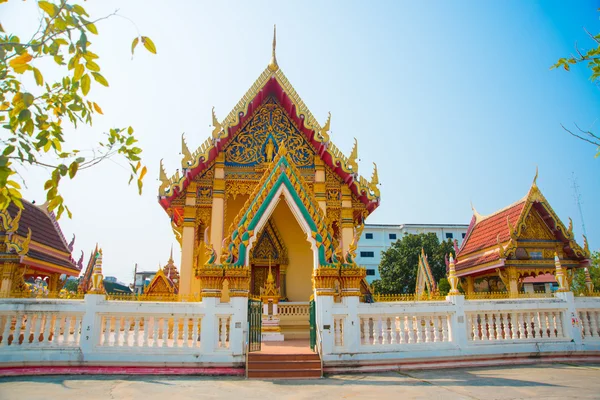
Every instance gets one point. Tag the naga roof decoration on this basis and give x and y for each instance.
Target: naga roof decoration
(279, 172)
(272, 82)
(491, 239)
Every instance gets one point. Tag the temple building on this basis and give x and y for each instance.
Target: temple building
(269, 189)
(518, 244)
(33, 247)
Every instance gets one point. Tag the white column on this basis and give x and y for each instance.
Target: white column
(239, 324)
(458, 326)
(91, 327)
(324, 319)
(352, 323)
(570, 330)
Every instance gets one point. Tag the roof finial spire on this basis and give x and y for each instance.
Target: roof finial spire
(171, 256)
(273, 64)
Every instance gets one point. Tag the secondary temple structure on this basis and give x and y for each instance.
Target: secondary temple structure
(269, 185)
(519, 241)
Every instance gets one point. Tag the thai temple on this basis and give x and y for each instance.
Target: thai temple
(268, 213)
(269, 189)
(518, 242)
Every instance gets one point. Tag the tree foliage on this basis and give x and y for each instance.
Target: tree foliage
(578, 284)
(591, 58)
(33, 117)
(399, 263)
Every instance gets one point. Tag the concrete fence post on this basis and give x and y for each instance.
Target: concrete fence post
(91, 324)
(324, 319)
(571, 322)
(209, 332)
(351, 331)
(458, 328)
(238, 325)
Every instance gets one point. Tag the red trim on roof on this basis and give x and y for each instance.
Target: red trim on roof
(271, 88)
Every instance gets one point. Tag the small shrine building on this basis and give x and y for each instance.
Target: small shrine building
(33, 246)
(516, 243)
(269, 187)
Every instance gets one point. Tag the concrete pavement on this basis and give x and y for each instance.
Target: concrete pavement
(551, 381)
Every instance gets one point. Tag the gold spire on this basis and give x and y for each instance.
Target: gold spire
(535, 177)
(273, 64)
(164, 181)
(353, 157)
(187, 155)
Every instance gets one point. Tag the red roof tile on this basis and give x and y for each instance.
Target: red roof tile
(476, 260)
(485, 233)
(44, 229)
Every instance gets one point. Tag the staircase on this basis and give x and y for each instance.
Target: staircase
(287, 366)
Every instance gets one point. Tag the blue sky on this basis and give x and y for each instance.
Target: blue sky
(455, 102)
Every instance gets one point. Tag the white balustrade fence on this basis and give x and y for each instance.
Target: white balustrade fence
(98, 330)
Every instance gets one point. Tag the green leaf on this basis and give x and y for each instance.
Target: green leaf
(100, 79)
(9, 149)
(49, 8)
(85, 84)
(90, 26)
(79, 10)
(140, 184)
(73, 169)
(39, 79)
(92, 66)
(134, 44)
(79, 69)
(24, 115)
(149, 44)
(27, 99)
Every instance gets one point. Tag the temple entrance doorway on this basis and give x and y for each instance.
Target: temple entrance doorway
(282, 263)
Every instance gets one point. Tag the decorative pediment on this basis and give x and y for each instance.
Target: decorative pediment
(269, 247)
(160, 285)
(258, 141)
(535, 228)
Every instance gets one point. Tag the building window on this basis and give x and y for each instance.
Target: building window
(393, 236)
(371, 272)
(368, 236)
(463, 235)
(367, 254)
(535, 255)
(449, 235)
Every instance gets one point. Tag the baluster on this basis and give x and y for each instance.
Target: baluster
(427, 320)
(336, 332)
(106, 341)
(136, 332)
(373, 331)
(224, 331)
(77, 330)
(365, 330)
(393, 330)
(186, 332)
(383, 329)
(155, 322)
(503, 333)
(514, 329)
(146, 332)
(485, 327)
(445, 333)
(435, 323)
(544, 324)
(27, 330)
(117, 334)
(37, 326)
(126, 327)
(176, 332)
(17, 334)
(411, 328)
(559, 325)
(6, 330)
(401, 331)
(474, 327)
(419, 324)
(165, 332)
(586, 324)
(493, 328)
(553, 324)
(521, 323)
(58, 319)
(67, 331)
(593, 330)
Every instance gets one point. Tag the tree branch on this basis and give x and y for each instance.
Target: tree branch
(581, 137)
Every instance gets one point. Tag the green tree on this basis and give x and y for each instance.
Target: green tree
(591, 58)
(578, 284)
(71, 285)
(33, 117)
(399, 263)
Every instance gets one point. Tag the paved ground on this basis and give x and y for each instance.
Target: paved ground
(557, 381)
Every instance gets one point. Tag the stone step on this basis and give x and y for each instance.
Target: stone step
(287, 374)
(282, 357)
(288, 365)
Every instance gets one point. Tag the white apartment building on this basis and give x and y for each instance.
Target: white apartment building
(377, 238)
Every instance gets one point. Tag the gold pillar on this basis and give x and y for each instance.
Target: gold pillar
(513, 281)
(218, 205)
(347, 218)
(187, 241)
(8, 273)
(53, 282)
(470, 284)
(282, 282)
(320, 190)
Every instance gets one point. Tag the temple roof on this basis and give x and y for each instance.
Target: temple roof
(47, 249)
(493, 238)
(272, 82)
